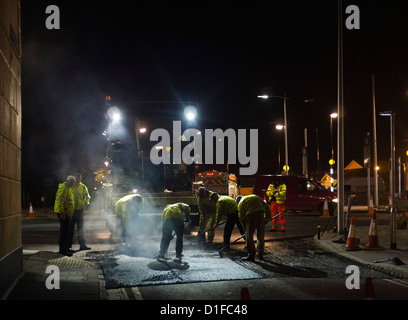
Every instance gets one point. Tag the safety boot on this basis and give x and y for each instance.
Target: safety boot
(250, 258)
(177, 259)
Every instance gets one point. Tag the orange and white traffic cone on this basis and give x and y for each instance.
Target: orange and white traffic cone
(352, 243)
(371, 207)
(245, 294)
(372, 241)
(31, 212)
(369, 290)
(326, 213)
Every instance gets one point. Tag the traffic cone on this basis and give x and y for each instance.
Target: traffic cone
(31, 212)
(352, 243)
(372, 241)
(369, 290)
(371, 207)
(326, 213)
(245, 294)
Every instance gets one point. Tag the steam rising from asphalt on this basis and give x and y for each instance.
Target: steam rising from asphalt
(144, 231)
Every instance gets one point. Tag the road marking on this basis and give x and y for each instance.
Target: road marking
(133, 293)
(399, 282)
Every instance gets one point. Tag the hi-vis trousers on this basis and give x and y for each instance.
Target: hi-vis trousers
(275, 209)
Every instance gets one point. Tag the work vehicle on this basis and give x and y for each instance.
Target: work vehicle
(302, 194)
(223, 183)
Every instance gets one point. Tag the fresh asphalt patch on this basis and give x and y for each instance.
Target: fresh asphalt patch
(131, 267)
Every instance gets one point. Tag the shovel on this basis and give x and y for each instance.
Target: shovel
(395, 260)
(201, 232)
(274, 217)
(221, 253)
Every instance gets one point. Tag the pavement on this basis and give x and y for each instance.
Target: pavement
(84, 280)
(380, 257)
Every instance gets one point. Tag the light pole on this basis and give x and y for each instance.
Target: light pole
(332, 161)
(142, 131)
(340, 125)
(391, 114)
(285, 126)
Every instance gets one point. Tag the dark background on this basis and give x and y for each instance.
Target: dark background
(221, 54)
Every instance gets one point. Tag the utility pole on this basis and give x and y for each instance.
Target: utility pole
(375, 148)
(367, 165)
(340, 127)
(286, 136)
(304, 153)
(393, 222)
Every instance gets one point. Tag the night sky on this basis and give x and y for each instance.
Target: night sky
(221, 54)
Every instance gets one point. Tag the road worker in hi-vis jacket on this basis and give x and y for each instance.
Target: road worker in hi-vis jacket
(127, 211)
(277, 199)
(64, 207)
(253, 214)
(174, 217)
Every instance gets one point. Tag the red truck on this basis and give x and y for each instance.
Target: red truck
(302, 194)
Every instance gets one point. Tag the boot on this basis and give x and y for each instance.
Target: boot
(250, 258)
(177, 259)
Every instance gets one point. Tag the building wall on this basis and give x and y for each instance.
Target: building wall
(11, 257)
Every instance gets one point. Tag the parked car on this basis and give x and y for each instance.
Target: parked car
(302, 194)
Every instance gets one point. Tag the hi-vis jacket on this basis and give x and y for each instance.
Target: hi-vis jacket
(82, 196)
(205, 205)
(251, 204)
(126, 208)
(225, 206)
(64, 200)
(279, 193)
(178, 211)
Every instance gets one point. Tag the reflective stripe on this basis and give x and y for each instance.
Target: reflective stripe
(64, 200)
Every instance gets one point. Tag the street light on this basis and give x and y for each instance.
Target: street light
(266, 97)
(114, 114)
(190, 113)
(391, 114)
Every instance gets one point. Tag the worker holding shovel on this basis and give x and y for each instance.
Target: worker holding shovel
(207, 214)
(253, 214)
(227, 206)
(173, 220)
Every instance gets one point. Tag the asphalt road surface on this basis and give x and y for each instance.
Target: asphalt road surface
(293, 268)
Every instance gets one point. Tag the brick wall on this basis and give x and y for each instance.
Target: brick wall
(11, 265)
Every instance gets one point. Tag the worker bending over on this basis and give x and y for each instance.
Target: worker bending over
(207, 210)
(227, 206)
(253, 214)
(127, 211)
(173, 218)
